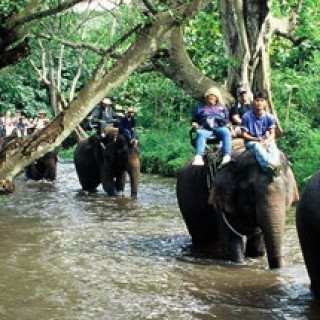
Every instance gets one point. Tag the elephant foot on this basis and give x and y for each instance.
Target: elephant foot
(276, 263)
(254, 253)
(255, 246)
(209, 250)
(90, 190)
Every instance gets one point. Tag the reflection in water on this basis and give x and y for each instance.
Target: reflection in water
(66, 254)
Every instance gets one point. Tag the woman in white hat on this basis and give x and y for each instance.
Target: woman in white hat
(211, 118)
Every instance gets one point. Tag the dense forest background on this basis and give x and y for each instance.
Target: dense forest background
(163, 109)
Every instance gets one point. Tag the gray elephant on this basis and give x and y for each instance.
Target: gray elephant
(44, 168)
(245, 203)
(308, 226)
(106, 160)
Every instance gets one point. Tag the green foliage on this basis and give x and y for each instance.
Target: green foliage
(9, 6)
(205, 43)
(158, 101)
(18, 91)
(165, 151)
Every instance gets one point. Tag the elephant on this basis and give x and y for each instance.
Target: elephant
(44, 168)
(308, 227)
(106, 160)
(242, 203)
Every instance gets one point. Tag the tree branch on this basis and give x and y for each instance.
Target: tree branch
(42, 14)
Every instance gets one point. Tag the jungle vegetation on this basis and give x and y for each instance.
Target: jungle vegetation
(159, 56)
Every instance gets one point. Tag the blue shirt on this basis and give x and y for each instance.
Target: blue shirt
(257, 126)
(210, 117)
(127, 123)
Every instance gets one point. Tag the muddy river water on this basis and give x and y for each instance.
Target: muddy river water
(69, 255)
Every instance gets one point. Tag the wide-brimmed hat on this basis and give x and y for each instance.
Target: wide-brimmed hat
(106, 101)
(213, 91)
(42, 112)
(130, 109)
(242, 90)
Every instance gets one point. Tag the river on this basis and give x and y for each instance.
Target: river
(65, 254)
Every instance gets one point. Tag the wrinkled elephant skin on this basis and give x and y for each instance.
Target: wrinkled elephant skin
(308, 227)
(106, 160)
(246, 202)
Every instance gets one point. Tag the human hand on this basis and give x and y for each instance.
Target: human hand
(194, 125)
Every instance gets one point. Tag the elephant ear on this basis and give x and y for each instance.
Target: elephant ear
(292, 192)
(95, 143)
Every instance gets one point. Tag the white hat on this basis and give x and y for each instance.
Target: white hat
(213, 91)
(106, 101)
(242, 90)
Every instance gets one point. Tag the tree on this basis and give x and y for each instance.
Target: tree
(248, 27)
(16, 17)
(17, 154)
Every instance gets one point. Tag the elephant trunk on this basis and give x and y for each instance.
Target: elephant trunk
(134, 173)
(271, 219)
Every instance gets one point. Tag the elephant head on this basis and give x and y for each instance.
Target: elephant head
(250, 198)
(106, 160)
(244, 201)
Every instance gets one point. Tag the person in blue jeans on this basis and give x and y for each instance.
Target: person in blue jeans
(258, 131)
(127, 126)
(211, 118)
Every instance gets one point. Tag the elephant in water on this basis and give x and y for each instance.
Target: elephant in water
(308, 227)
(246, 214)
(44, 168)
(106, 160)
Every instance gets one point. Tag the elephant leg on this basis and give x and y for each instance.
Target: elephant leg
(134, 171)
(235, 248)
(120, 182)
(255, 245)
(108, 185)
(51, 170)
(232, 243)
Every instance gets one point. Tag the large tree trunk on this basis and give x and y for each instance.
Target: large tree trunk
(18, 154)
(248, 29)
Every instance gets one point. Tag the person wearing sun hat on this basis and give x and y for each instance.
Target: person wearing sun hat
(211, 119)
(127, 126)
(41, 121)
(103, 116)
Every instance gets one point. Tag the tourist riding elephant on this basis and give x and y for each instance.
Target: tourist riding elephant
(44, 168)
(308, 226)
(106, 160)
(244, 201)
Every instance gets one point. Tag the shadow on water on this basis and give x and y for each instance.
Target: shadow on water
(66, 254)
